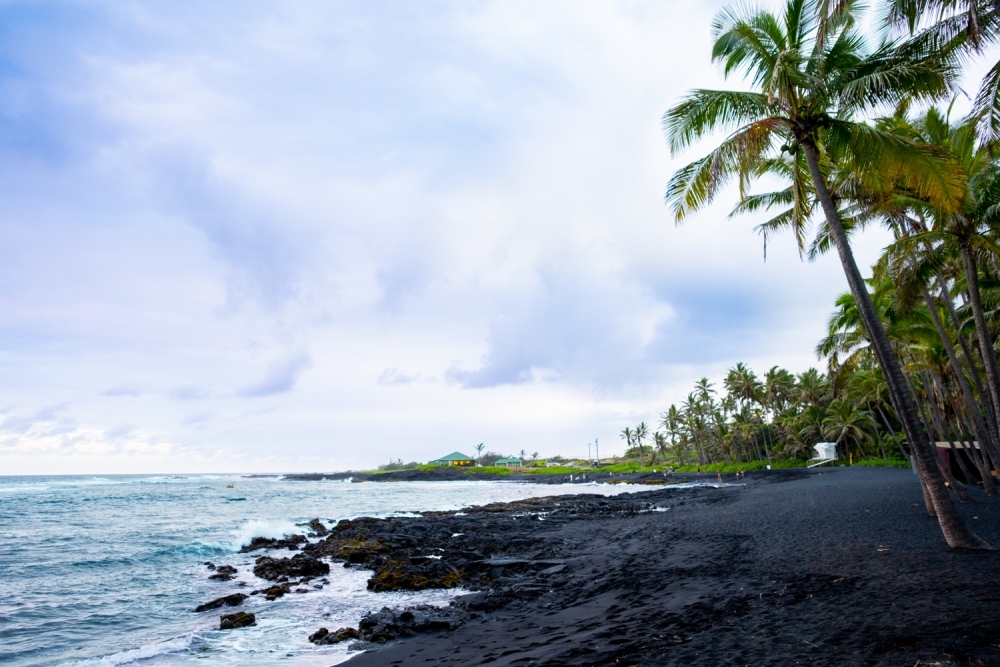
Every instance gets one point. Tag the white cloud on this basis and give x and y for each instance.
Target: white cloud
(455, 208)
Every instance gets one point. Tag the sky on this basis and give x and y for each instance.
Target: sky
(299, 236)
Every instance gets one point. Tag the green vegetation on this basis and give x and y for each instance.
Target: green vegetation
(484, 470)
(845, 123)
(734, 467)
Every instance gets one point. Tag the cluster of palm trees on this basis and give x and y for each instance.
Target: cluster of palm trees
(848, 123)
(776, 417)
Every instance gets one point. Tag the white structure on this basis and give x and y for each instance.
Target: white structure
(826, 451)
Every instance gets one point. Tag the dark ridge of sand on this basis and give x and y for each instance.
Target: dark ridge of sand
(840, 567)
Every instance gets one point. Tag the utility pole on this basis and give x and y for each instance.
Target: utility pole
(598, 453)
(588, 453)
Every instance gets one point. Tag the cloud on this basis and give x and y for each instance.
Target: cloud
(187, 393)
(124, 390)
(461, 201)
(394, 376)
(280, 377)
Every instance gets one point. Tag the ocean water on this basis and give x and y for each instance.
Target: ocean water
(106, 571)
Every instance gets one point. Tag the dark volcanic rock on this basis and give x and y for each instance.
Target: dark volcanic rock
(291, 543)
(240, 619)
(233, 600)
(274, 592)
(407, 576)
(299, 565)
(324, 636)
(382, 626)
(317, 527)
(223, 573)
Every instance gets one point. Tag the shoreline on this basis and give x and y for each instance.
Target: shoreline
(833, 567)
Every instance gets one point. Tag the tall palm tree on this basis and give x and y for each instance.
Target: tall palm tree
(847, 424)
(965, 230)
(814, 78)
(959, 26)
(479, 452)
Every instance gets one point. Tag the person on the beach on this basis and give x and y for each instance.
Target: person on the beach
(720, 477)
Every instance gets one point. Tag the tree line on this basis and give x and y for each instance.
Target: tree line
(857, 129)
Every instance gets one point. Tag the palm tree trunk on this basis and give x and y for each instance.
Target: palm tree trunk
(986, 443)
(954, 528)
(942, 430)
(970, 358)
(981, 461)
(985, 340)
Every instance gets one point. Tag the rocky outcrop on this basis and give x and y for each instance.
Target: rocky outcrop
(222, 572)
(290, 542)
(382, 626)
(299, 565)
(240, 619)
(274, 592)
(233, 600)
(317, 527)
(324, 636)
(414, 576)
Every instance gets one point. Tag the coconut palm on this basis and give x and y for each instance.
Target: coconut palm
(479, 452)
(846, 424)
(958, 27)
(814, 77)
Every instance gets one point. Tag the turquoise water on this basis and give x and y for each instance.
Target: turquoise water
(105, 571)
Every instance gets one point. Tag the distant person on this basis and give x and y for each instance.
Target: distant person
(720, 477)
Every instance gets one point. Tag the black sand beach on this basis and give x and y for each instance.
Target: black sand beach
(838, 567)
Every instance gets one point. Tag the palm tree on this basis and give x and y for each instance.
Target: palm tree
(847, 424)
(628, 437)
(660, 440)
(479, 451)
(961, 26)
(640, 433)
(671, 422)
(814, 76)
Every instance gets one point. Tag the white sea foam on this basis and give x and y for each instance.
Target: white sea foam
(261, 528)
(132, 655)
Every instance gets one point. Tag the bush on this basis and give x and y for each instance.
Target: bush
(736, 467)
(883, 463)
(398, 465)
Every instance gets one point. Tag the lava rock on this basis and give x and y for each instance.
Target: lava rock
(274, 592)
(224, 573)
(382, 626)
(317, 527)
(300, 565)
(233, 600)
(407, 576)
(290, 542)
(240, 619)
(324, 636)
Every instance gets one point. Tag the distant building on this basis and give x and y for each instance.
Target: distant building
(453, 459)
(512, 462)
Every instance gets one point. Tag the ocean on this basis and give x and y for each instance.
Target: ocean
(106, 571)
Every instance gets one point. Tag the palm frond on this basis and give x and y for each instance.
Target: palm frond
(702, 112)
(925, 170)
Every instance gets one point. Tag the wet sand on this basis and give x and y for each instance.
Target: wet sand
(835, 567)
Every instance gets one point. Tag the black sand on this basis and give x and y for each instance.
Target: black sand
(842, 567)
